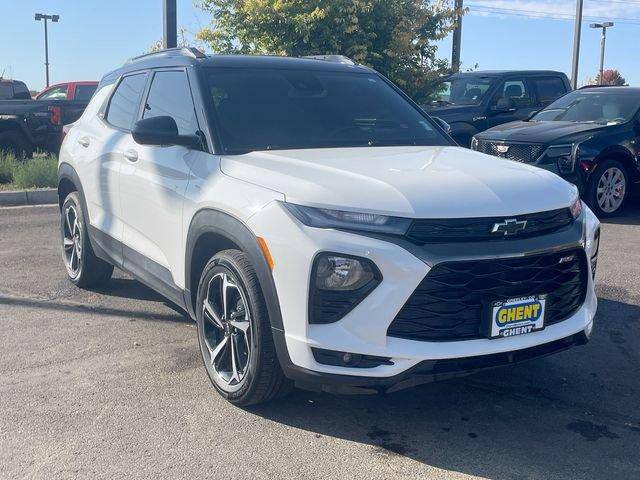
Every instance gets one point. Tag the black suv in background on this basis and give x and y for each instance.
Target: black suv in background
(591, 137)
(472, 102)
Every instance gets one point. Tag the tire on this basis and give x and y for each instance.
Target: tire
(245, 368)
(16, 143)
(612, 200)
(83, 267)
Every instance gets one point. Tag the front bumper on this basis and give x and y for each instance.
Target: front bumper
(364, 329)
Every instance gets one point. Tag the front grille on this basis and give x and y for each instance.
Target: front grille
(450, 301)
(520, 152)
(480, 229)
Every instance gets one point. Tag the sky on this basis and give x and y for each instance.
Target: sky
(96, 36)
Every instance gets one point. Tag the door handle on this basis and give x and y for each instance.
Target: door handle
(131, 155)
(84, 141)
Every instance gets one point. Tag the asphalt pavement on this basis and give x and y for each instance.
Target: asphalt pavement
(110, 385)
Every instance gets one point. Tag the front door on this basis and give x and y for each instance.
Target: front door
(153, 181)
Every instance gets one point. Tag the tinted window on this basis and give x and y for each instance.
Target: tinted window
(170, 95)
(265, 109)
(6, 91)
(123, 106)
(549, 89)
(55, 93)
(84, 92)
(592, 107)
(20, 91)
(516, 92)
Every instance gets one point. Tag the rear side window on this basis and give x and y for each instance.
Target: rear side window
(84, 92)
(170, 95)
(548, 89)
(20, 91)
(123, 106)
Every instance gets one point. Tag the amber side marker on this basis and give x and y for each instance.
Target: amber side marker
(266, 252)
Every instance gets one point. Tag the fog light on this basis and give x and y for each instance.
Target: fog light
(342, 273)
(346, 359)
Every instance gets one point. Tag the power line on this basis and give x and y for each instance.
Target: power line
(550, 15)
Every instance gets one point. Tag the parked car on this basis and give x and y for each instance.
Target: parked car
(27, 124)
(13, 90)
(319, 226)
(590, 137)
(475, 101)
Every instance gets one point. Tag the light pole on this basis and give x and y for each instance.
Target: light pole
(576, 45)
(170, 22)
(603, 41)
(54, 19)
(457, 37)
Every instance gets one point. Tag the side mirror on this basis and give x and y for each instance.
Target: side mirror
(162, 131)
(504, 105)
(443, 125)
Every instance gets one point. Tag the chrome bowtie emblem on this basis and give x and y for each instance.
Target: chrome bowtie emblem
(502, 148)
(511, 226)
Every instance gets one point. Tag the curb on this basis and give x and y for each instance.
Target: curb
(41, 196)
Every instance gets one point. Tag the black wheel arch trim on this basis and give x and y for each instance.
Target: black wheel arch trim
(211, 221)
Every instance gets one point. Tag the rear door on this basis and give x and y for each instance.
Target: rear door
(547, 89)
(153, 182)
(100, 142)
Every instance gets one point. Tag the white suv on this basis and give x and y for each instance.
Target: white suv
(319, 226)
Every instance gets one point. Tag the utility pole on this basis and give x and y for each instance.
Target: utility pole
(457, 37)
(170, 21)
(576, 45)
(42, 17)
(603, 41)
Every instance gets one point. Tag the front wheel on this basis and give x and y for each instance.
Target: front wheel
(608, 189)
(234, 332)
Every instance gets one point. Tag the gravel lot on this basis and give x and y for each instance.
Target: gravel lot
(110, 385)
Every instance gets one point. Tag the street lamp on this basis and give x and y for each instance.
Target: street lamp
(603, 26)
(54, 19)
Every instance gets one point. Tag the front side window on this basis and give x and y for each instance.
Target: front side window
(170, 95)
(586, 106)
(20, 91)
(277, 109)
(56, 93)
(84, 92)
(123, 106)
(463, 90)
(516, 93)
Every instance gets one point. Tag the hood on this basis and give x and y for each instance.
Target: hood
(538, 132)
(419, 182)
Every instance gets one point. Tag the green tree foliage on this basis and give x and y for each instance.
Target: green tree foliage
(396, 37)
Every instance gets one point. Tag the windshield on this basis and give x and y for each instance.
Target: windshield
(463, 90)
(274, 109)
(607, 108)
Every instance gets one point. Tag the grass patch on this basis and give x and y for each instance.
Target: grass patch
(37, 172)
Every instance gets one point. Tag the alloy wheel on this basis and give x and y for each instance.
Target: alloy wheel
(611, 189)
(72, 240)
(227, 330)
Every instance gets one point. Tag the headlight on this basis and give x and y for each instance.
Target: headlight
(564, 155)
(576, 208)
(335, 272)
(327, 218)
(474, 143)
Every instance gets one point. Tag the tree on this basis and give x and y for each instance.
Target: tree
(396, 37)
(610, 77)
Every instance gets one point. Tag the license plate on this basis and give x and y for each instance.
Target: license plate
(517, 316)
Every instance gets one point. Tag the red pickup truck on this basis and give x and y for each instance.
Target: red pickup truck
(29, 124)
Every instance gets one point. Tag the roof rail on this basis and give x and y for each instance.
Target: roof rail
(169, 52)
(344, 60)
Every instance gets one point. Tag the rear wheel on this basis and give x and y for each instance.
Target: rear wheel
(234, 332)
(608, 188)
(84, 268)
